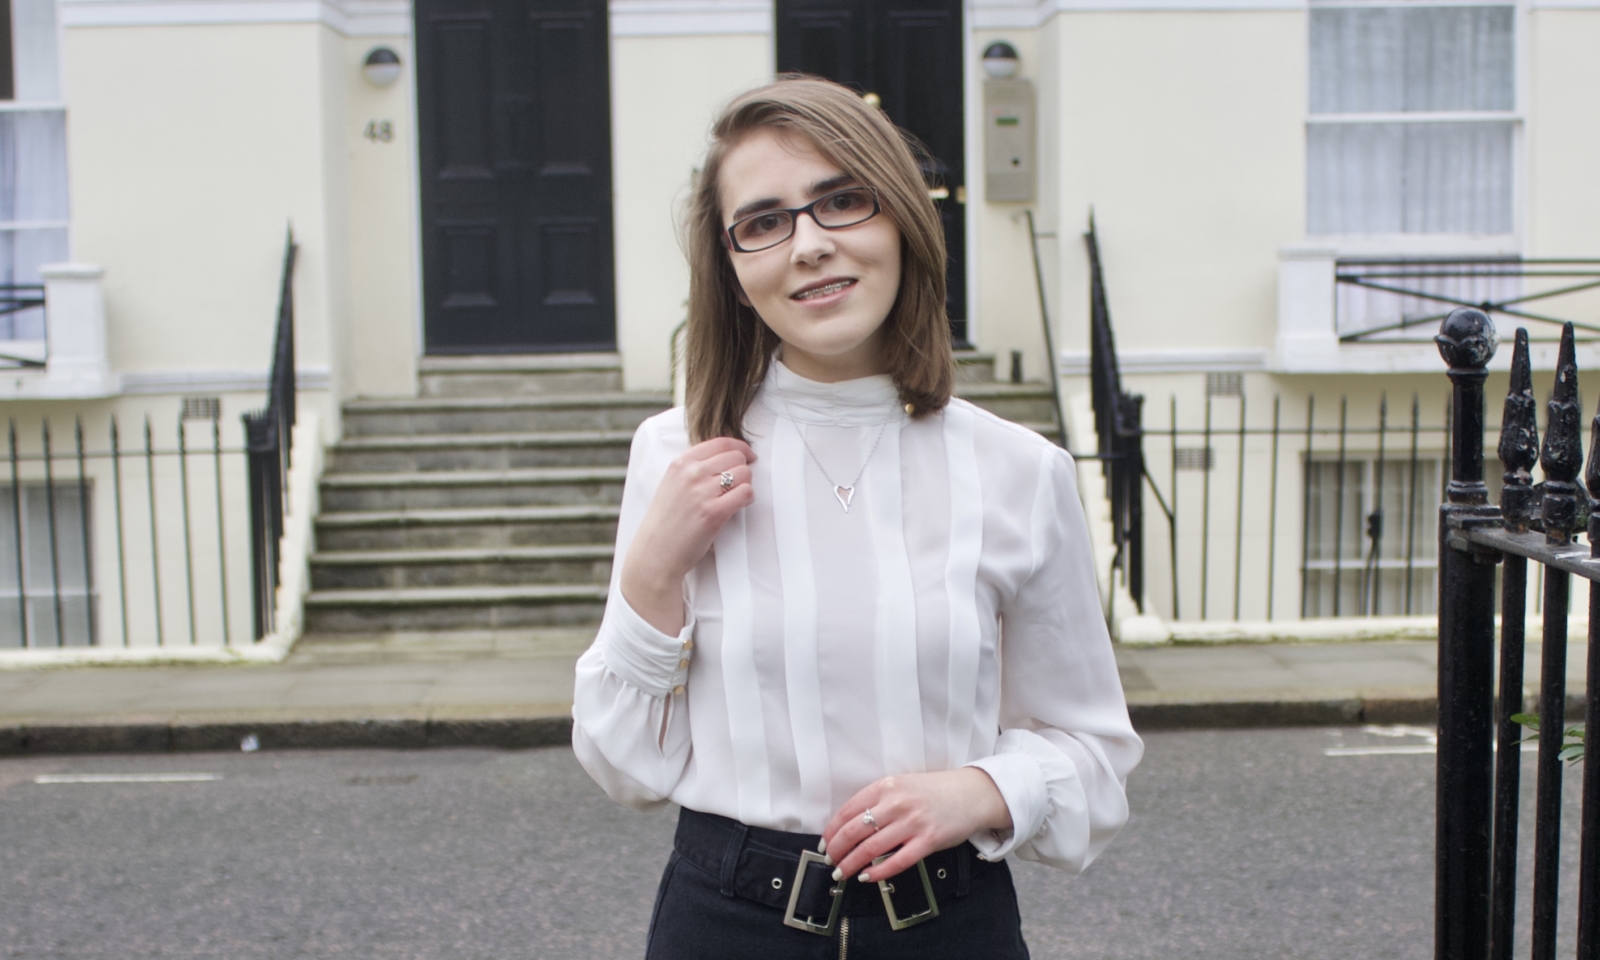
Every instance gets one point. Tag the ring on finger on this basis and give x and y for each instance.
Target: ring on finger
(871, 821)
(725, 481)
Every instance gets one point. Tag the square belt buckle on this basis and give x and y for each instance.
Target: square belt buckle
(809, 924)
(896, 922)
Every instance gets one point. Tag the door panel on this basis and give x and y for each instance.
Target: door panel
(515, 151)
(908, 52)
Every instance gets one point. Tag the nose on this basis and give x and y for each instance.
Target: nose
(812, 244)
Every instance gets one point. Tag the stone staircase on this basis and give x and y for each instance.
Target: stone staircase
(490, 502)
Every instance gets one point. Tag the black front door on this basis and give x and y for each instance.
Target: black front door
(514, 131)
(908, 52)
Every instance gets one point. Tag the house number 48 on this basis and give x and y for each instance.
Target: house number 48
(379, 131)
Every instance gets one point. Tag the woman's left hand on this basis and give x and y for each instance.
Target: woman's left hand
(921, 813)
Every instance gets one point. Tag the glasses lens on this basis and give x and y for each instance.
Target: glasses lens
(763, 230)
(846, 208)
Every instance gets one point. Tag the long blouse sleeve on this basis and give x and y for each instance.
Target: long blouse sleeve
(630, 718)
(1066, 745)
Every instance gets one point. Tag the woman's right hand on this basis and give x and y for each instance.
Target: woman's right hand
(689, 509)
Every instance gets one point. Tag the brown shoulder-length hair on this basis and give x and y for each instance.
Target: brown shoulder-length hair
(729, 346)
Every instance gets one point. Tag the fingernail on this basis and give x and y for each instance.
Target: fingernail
(838, 874)
(822, 845)
(864, 878)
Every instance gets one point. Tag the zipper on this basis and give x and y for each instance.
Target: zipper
(844, 938)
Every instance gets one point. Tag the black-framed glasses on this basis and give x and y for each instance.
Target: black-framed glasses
(841, 208)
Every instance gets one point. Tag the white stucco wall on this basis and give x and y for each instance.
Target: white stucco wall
(192, 149)
(665, 92)
(382, 335)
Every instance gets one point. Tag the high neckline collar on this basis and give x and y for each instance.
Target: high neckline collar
(861, 402)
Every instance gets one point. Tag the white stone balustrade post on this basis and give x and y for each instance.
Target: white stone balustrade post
(1308, 336)
(75, 329)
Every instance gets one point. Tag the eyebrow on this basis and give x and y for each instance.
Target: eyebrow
(815, 190)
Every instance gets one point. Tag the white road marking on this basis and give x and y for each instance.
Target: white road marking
(1420, 748)
(126, 777)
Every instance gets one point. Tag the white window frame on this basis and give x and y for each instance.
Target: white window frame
(1433, 244)
(54, 105)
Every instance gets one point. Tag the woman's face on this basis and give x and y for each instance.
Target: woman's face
(825, 293)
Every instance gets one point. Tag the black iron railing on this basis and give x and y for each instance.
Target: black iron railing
(1118, 417)
(268, 435)
(1400, 300)
(111, 543)
(1479, 752)
(15, 299)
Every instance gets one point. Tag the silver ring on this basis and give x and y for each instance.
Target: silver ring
(725, 481)
(871, 821)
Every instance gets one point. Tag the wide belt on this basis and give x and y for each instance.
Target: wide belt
(783, 870)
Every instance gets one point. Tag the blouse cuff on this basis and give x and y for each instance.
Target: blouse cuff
(1021, 782)
(642, 656)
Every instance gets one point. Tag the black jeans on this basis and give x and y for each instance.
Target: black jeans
(718, 901)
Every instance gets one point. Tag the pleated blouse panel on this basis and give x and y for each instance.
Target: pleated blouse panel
(848, 644)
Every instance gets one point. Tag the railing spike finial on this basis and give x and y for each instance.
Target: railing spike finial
(1519, 440)
(1563, 447)
(1591, 474)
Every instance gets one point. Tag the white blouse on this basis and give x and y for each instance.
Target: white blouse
(950, 618)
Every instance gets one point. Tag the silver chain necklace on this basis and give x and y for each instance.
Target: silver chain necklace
(843, 492)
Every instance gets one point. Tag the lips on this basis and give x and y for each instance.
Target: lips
(823, 289)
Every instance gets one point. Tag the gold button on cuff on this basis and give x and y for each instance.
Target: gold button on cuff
(683, 664)
(678, 690)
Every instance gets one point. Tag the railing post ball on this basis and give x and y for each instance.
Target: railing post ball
(1467, 341)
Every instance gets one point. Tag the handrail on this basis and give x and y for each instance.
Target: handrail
(268, 436)
(1049, 336)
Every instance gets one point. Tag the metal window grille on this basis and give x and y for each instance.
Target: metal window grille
(1225, 384)
(1196, 459)
(202, 408)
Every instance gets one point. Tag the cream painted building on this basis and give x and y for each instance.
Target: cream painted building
(1239, 157)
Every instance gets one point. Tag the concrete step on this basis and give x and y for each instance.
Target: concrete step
(579, 564)
(481, 451)
(453, 608)
(499, 375)
(1018, 402)
(973, 366)
(451, 415)
(468, 528)
(539, 486)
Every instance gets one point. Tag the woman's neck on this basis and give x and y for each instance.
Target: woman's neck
(866, 360)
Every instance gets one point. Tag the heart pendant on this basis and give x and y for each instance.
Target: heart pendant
(845, 495)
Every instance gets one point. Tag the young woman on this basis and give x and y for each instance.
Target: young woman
(853, 629)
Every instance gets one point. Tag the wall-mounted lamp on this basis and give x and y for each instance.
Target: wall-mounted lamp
(382, 67)
(1000, 60)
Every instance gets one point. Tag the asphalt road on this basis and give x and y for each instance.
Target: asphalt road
(1242, 844)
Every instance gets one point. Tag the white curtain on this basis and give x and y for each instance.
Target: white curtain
(1409, 178)
(33, 162)
(1399, 177)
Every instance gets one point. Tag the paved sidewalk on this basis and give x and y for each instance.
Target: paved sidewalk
(514, 689)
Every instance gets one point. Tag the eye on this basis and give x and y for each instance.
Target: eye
(761, 225)
(846, 201)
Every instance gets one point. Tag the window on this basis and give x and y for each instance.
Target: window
(33, 155)
(1356, 566)
(54, 574)
(1412, 119)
